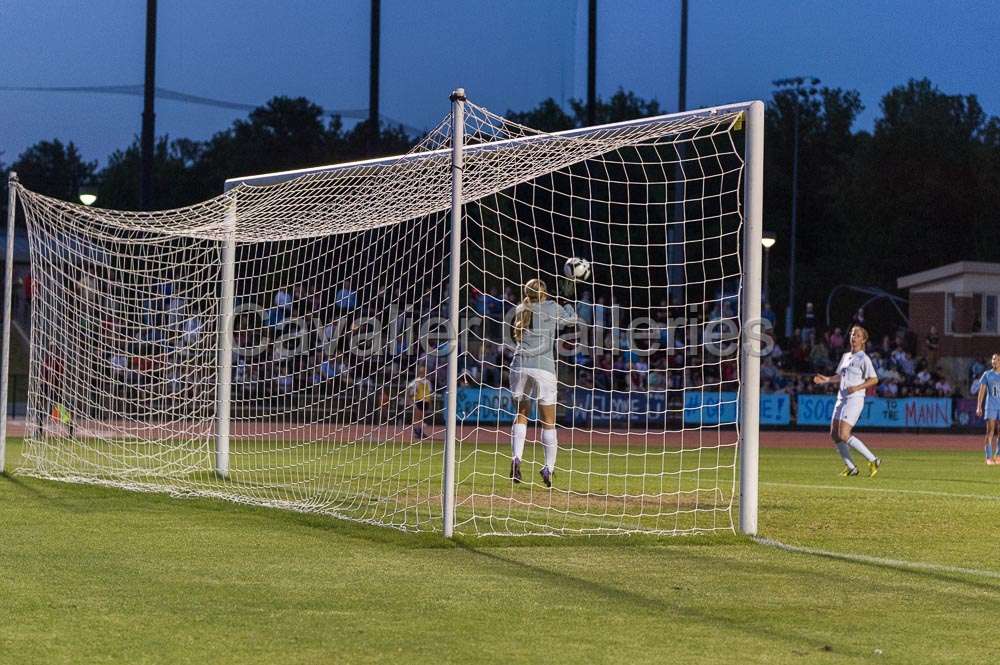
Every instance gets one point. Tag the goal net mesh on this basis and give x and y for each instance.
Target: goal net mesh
(339, 334)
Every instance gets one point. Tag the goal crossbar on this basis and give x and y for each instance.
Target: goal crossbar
(276, 177)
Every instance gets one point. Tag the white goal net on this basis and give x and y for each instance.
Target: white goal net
(287, 343)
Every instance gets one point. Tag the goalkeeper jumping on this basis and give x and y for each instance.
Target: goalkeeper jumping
(533, 371)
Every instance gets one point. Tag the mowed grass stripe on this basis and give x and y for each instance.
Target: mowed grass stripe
(878, 561)
(888, 490)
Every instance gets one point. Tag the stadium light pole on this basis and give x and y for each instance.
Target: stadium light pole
(592, 63)
(682, 79)
(790, 310)
(674, 242)
(799, 93)
(373, 110)
(148, 116)
(8, 287)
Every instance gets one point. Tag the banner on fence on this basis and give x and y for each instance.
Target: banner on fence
(909, 412)
(715, 408)
(608, 407)
(486, 405)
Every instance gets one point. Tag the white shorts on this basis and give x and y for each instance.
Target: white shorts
(536, 383)
(849, 410)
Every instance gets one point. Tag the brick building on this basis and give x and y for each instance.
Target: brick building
(961, 301)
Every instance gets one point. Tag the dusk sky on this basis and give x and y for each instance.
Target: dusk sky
(508, 54)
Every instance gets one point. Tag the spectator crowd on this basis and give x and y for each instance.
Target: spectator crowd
(301, 340)
(902, 372)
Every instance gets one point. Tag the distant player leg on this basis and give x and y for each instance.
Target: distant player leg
(551, 447)
(835, 433)
(518, 433)
(417, 421)
(548, 388)
(992, 444)
(873, 462)
(995, 420)
(549, 443)
(857, 444)
(50, 400)
(996, 441)
(988, 447)
(845, 454)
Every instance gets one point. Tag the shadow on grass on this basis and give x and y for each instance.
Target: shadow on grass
(54, 498)
(661, 608)
(424, 540)
(95, 498)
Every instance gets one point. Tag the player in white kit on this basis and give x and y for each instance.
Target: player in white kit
(533, 372)
(855, 374)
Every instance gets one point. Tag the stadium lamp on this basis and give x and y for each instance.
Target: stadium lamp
(768, 240)
(88, 196)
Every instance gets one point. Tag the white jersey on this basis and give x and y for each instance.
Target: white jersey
(854, 369)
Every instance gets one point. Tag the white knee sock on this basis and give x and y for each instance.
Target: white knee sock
(845, 454)
(517, 435)
(549, 443)
(855, 443)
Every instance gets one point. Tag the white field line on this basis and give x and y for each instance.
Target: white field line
(878, 561)
(887, 490)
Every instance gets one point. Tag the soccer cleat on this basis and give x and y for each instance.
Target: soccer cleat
(873, 467)
(990, 461)
(546, 476)
(515, 470)
(849, 471)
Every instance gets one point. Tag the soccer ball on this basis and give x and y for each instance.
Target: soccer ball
(577, 268)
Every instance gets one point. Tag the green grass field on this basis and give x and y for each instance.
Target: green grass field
(99, 575)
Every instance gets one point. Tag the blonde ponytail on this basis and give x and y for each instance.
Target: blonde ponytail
(533, 291)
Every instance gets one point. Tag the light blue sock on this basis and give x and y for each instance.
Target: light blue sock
(989, 450)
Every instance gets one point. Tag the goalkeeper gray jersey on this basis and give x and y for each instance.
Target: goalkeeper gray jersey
(536, 350)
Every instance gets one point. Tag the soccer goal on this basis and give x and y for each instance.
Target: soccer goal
(339, 340)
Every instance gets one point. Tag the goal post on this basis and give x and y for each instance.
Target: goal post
(8, 289)
(753, 196)
(225, 332)
(340, 340)
(454, 308)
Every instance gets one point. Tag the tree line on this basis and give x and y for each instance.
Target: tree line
(920, 190)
